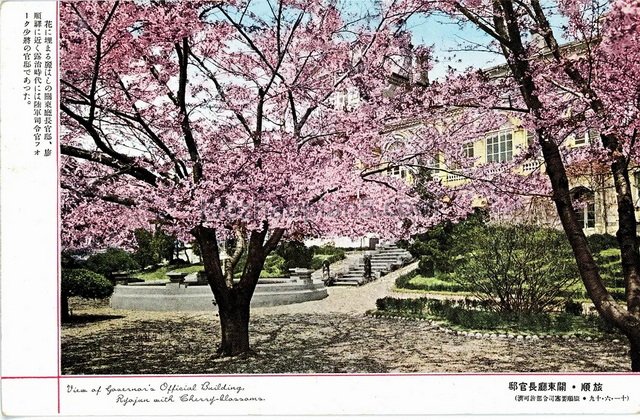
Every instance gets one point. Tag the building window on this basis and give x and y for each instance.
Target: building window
(500, 147)
(586, 209)
(582, 138)
(467, 150)
(585, 137)
(531, 138)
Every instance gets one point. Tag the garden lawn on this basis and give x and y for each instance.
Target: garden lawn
(416, 282)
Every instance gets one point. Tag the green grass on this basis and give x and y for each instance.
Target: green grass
(416, 282)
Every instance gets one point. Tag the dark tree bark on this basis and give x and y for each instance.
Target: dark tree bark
(65, 315)
(234, 298)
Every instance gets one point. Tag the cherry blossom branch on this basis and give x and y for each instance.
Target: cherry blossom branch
(179, 165)
(477, 20)
(202, 66)
(185, 124)
(110, 198)
(137, 172)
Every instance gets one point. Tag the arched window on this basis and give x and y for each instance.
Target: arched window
(396, 144)
(585, 203)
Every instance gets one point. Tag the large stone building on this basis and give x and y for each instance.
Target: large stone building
(591, 182)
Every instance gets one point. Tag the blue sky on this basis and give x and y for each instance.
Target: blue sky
(445, 35)
(447, 38)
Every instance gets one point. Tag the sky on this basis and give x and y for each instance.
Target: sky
(443, 33)
(447, 38)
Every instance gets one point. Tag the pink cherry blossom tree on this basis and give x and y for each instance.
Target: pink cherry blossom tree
(220, 121)
(570, 66)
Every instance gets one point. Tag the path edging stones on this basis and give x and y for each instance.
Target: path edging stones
(491, 336)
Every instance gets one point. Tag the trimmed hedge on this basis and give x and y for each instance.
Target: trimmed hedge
(82, 283)
(476, 315)
(600, 241)
(395, 305)
(111, 261)
(86, 284)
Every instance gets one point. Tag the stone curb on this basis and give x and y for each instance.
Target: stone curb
(492, 336)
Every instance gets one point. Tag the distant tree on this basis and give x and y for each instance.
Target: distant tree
(295, 254)
(153, 247)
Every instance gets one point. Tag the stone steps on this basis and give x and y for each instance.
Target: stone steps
(383, 261)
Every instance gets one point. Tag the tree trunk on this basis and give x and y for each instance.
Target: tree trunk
(634, 353)
(234, 298)
(65, 315)
(234, 322)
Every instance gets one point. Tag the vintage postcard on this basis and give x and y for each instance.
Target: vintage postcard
(320, 207)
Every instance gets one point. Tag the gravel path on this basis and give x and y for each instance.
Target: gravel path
(343, 299)
(327, 336)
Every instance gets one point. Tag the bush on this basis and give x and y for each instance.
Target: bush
(402, 282)
(111, 261)
(522, 268)
(295, 254)
(273, 266)
(406, 306)
(328, 249)
(82, 283)
(600, 241)
(439, 246)
(426, 266)
(478, 315)
(413, 281)
(574, 308)
(317, 261)
(179, 262)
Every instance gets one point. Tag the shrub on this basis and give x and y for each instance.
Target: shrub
(111, 261)
(574, 308)
(600, 241)
(523, 269)
(478, 315)
(610, 266)
(441, 284)
(295, 254)
(406, 306)
(273, 266)
(564, 321)
(317, 261)
(402, 282)
(442, 243)
(328, 249)
(179, 262)
(82, 283)
(71, 260)
(598, 322)
(426, 266)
